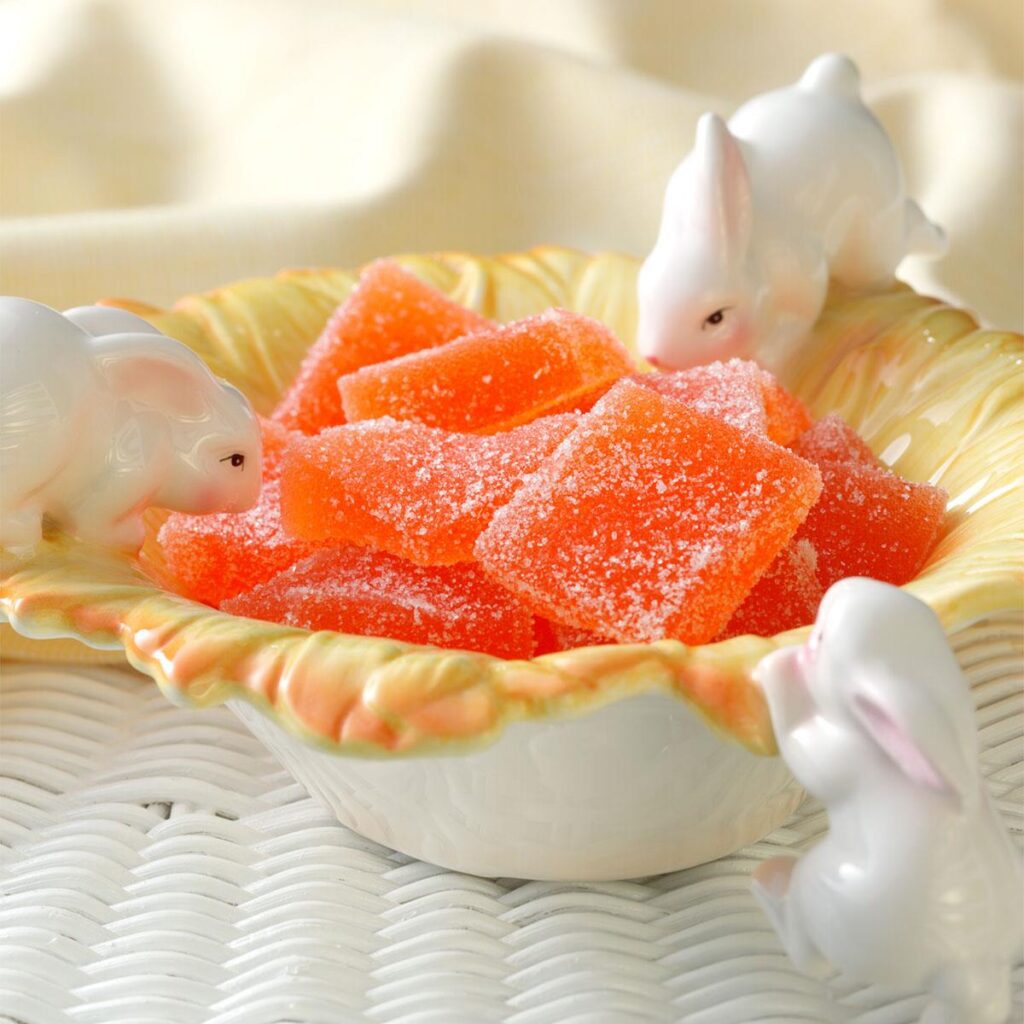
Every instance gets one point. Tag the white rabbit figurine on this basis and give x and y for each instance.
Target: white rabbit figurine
(101, 415)
(803, 184)
(917, 882)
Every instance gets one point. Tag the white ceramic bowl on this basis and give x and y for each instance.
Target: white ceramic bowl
(638, 787)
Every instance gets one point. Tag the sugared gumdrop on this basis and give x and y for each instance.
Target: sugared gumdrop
(390, 312)
(416, 491)
(650, 520)
(868, 521)
(371, 593)
(739, 392)
(493, 379)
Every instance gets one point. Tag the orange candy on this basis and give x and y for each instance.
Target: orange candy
(786, 596)
(739, 392)
(370, 593)
(214, 557)
(389, 313)
(275, 437)
(650, 520)
(787, 415)
(493, 379)
(869, 522)
(671, 509)
(418, 492)
(831, 441)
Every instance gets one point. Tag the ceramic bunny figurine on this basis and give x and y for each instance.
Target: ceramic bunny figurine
(802, 184)
(101, 415)
(916, 883)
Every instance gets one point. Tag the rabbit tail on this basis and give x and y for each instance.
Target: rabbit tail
(923, 238)
(972, 993)
(832, 73)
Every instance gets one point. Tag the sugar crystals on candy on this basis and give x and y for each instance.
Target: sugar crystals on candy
(416, 491)
(785, 597)
(728, 391)
(739, 392)
(371, 593)
(868, 522)
(830, 441)
(493, 379)
(390, 312)
(650, 520)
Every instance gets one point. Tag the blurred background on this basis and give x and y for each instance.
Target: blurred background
(150, 148)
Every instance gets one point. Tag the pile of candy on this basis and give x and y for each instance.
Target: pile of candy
(519, 489)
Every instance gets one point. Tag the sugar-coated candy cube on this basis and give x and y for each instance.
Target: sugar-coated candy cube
(650, 520)
(831, 441)
(276, 437)
(390, 312)
(416, 491)
(214, 557)
(785, 597)
(728, 391)
(872, 523)
(868, 521)
(493, 379)
(739, 392)
(371, 593)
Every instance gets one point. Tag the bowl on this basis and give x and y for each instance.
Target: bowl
(603, 762)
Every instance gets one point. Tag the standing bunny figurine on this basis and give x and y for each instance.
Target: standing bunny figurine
(916, 883)
(803, 184)
(101, 415)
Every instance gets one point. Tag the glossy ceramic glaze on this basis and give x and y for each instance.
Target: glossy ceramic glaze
(936, 397)
(801, 186)
(102, 417)
(910, 886)
(636, 788)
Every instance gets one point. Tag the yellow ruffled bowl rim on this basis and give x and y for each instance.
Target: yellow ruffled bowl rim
(936, 397)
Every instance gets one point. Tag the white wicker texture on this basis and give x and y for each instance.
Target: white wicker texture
(157, 866)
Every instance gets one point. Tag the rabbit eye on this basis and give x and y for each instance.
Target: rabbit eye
(237, 459)
(715, 318)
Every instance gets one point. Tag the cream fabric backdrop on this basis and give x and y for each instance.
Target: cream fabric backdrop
(153, 147)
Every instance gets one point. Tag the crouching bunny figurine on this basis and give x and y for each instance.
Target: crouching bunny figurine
(916, 883)
(802, 184)
(101, 416)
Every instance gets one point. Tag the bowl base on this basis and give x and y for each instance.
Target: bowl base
(636, 788)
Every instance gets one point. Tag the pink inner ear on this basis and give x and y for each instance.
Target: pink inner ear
(899, 746)
(160, 384)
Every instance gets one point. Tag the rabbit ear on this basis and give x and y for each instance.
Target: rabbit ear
(724, 187)
(888, 666)
(916, 736)
(154, 371)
